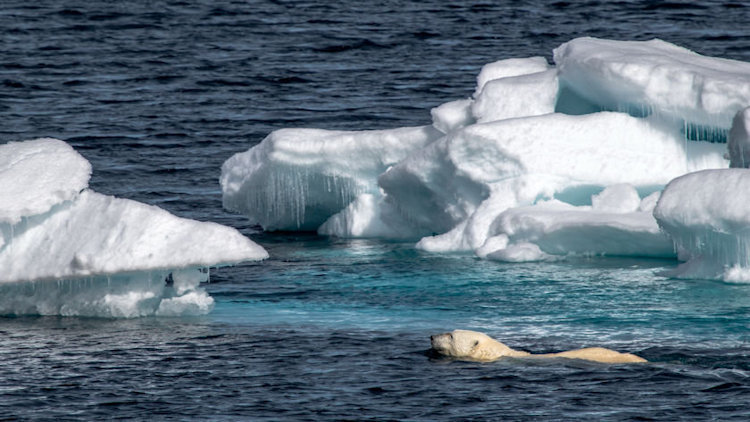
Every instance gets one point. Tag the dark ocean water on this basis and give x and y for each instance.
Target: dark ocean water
(157, 94)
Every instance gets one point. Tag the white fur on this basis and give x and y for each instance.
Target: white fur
(476, 346)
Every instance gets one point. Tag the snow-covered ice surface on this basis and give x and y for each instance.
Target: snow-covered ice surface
(703, 93)
(542, 161)
(37, 175)
(618, 223)
(67, 250)
(707, 215)
(297, 178)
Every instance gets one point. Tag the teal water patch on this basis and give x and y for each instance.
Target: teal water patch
(373, 285)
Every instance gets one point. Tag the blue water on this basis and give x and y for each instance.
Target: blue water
(158, 94)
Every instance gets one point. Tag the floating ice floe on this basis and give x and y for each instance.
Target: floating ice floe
(543, 160)
(66, 250)
(484, 169)
(702, 93)
(618, 223)
(707, 215)
(297, 178)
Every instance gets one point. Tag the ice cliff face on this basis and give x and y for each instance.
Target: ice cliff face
(67, 250)
(542, 160)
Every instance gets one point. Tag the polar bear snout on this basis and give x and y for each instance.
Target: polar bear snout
(441, 342)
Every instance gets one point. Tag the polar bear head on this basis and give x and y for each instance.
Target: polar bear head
(471, 345)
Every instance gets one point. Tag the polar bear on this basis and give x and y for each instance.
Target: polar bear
(476, 346)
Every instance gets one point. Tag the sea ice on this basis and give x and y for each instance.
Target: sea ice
(645, 77)
(508, 68)
(541, 161)
(739, 140)
(463, 181)
(36, 175)
(370, 216)
(67, 250)
(297, 178)
(707, 216)
(557, 228)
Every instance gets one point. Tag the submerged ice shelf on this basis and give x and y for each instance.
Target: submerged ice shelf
(67, 250)
(542, 160)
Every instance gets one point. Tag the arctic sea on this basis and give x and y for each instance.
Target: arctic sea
(158, 94)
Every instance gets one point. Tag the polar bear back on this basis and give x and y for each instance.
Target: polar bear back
(599, 354)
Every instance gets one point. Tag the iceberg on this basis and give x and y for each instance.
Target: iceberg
(543, 160)
(532, 95)
(66, 250)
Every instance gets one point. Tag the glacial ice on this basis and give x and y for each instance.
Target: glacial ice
(452, 115)
(66, 250)
(509, 68)
(541, 161)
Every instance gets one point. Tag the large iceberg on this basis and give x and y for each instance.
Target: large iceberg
(542, 160)
(67, 250)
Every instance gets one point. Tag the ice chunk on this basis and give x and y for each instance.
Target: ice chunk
(557, 228)
(649, 202)
(124, 295)
(97, 234)
(519, 252)
(71, 253)
(37, 175)
(297, 178)
(453, 115)
(508, 68)
(645, 77)
(516, 96)
(739, 140)
(513, 88)
(706, 214)
(525, 159)
(619, 198)
(369, 216)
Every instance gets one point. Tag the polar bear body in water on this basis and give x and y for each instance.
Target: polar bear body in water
(476, 346)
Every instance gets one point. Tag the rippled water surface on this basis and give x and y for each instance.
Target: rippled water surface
(158, 94)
